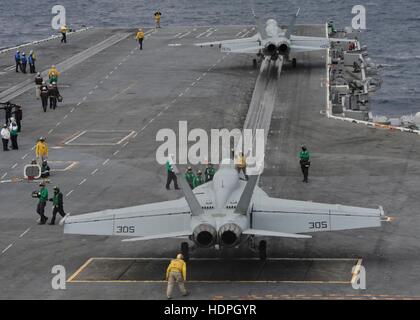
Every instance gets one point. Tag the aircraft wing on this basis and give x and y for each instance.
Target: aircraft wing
(291, 217)
(240, 45)
(302, 43)
(155, 220)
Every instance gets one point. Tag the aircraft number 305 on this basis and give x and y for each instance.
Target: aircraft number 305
(318, 225)
(125, 229)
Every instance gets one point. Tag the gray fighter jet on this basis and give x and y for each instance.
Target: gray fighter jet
(225, 212)
(273, 41)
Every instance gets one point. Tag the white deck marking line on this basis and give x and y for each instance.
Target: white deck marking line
(4, 175)
(75, 137)
(126, 137)
(116, 152)
(184, 35)
(69, 193)
(84, 98)
(210, 33)
(204, 74)
(187, 89)
(198, 79)
(72, 110)
(23, 158)
(7, 248)
(82, 182)
(78, 104)
(246, 33)
(238, 34)
(144, 127)
(101, 82)
(14, 166)
(94, 171)
(159, 114)
(193, 84)
(58, 123)
(111, 72)
(90, 92)
(107, 76)
(135, 135)
(178, 34)
(181, 94)
(25, 232)
(125, 143)
(203, 33)
(33, 147)
(65, 117)
(51, 130)
(105, 162)
(95, 87)
(151, 120)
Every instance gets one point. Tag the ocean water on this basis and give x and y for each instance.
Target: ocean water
(392, 34)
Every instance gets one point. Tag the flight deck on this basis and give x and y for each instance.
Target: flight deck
(102, 141)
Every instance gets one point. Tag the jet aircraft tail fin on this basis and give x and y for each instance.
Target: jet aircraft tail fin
(191, 199)
(291, 26)
(260, 26)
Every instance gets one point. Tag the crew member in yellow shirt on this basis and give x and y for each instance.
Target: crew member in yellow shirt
(140, 38)
(176, 272)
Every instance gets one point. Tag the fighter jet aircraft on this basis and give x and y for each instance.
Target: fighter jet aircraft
(272, 41)
(225, 212)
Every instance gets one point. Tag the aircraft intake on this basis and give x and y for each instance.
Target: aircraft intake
(229, 234)
(205, 235)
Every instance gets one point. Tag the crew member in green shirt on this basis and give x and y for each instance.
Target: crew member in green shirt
(198, 180)
(189, 176)
(42, 195)
(304, 163)
(57, 201)
(209, 172)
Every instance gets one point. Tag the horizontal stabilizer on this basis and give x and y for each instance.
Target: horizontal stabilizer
(266, 233)
(160, 236)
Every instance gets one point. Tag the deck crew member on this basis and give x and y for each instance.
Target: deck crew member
(176, 272)
(63, 31)
(13, 128)
(41, 150)
(140, 38)
(304, 157)
(44, 92)
(38, 84)
(57, 201)
(45, 169)
(31, 61)
(42, 195)
(209, 172)
(53, 74)
(18, 115)
(5, 137)
(23, 62)
(198, 179)
(157, 15)
(241, 165)
(171, 176)
(53, 93)
(189, 176)
(17, 61)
